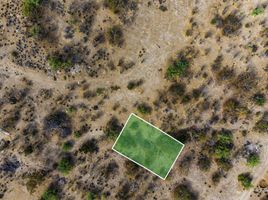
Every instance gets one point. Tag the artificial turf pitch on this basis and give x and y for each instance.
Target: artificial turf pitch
(148, 146)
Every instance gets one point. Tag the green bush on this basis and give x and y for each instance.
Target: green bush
(65, 165)
(30, 7)
(115, 35)
(253, 159)
(257, 11)
(50, 194)
(245, 180)
(67, 146)
(144, 108)
(259, 99)
(57, 63)
(177, 68)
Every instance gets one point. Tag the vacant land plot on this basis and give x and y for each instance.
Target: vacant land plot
(148, 146)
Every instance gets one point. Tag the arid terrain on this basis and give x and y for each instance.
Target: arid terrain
(72, 71)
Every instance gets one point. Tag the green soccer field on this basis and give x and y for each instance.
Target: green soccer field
(148, 146)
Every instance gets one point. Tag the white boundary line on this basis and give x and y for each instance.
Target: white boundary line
(132, 114)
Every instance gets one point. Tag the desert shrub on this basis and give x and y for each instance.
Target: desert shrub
(259, 99)
(132, 169)
(30, 7)
(67, 146)
(225, 74)
(183, 192)
(91, 196)
(196, 93)
(257, 11)
(28, 150)
(177, 89)
(113, 128)
(50, 194)
(11, 120)
(182, 135)
(217, 21)
(253, 159)
(233, 108)
(262, 124)
(115, 35)
(58, 62)
(66, 164)
(111, 169)
(216, 177)
(144, 108)
(116, 6)
(77, 134)
(90, 146)
(222, 149)
(204, 162)
(231, 24)
(224, 163)
(134, 84)
(58, 121)
(71, 109)
(100, 38)
(223, 145)
(186, 99)
(246, 81)
(163, 8)
(245, 180)
(35, 31)
(177, 68)
(126, 191)
(34, 180)
(89, 94)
